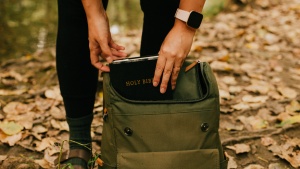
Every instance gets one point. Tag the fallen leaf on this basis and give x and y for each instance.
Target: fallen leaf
(45, 143)
(13, 139)
(254, 99)
(61, 125)
(43, 163)
(57, 113)
(2, 158)
(10, 128)
(230, 80)
(240, 148)
(262, 89)
(267, 141)
(231, 162)
(287, 92)
(39, 129)
(221, 66)
(254, 166)
(16, 108)
(294, 106)
(240, 106)
(231, 127)
(53, 94)
(277, 166)
(290, 120)
(4, 92)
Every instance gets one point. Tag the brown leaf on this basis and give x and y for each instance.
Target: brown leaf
(287, 92)
(39, 129)
(53, 94)
(267, 141)
(61, 125)
(10, 128)
(16, 108)
(2, 158)
(13, 139)
(231, 162)
(45, 143)
(43, 163)
(57, 113)
(240, 106)
(240, 148)
(254, 166)
(294, 106)
(255, 99)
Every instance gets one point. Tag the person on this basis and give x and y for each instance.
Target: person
(84, 40)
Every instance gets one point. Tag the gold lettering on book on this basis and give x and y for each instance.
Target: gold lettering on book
(138, 82)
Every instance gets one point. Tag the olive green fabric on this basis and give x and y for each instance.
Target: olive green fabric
(181, 133)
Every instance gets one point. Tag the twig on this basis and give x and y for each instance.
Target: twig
(259, 135)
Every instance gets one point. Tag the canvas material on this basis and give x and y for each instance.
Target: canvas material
(164, 134)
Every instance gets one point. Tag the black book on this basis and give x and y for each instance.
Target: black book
(132, 79)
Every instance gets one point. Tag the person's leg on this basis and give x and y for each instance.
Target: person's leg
(158, 21)
(77, 77)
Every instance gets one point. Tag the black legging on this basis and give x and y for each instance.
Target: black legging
(77, 77)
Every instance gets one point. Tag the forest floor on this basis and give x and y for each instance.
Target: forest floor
(254, 53)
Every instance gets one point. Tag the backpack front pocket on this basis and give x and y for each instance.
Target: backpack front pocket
(189, 159)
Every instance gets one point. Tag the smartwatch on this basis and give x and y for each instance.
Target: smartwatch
(192, 19)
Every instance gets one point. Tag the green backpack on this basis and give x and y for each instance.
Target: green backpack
(181, 133)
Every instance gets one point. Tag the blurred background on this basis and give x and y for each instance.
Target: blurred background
(28, 26)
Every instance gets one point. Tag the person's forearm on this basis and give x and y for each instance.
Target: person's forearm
(192, 5)
(93, 8)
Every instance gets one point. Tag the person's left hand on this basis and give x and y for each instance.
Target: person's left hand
(172, 54)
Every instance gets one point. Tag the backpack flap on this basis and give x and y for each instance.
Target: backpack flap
(132, 81)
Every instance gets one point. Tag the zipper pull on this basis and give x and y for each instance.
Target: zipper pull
(105, 114)
(193, 64)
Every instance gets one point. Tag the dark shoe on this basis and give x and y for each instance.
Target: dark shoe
(78, 158)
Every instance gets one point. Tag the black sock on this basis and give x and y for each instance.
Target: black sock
(80, 132)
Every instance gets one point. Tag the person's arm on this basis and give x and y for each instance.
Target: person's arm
(175, 47)
(100, 40)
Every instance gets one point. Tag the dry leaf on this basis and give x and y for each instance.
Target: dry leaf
(45, 143)
(255, 99)
(221, 66)
(254, 166)
(39, 129)
(231, 162)
(240, 106)
(287, 92)
(16, 108)
(53, 94)
(43, 163)
(13, 139)
(231, 127)
(2, 158)
(10, 128)
(290, 120)
(240, 148)
(277, 166)
(253, 122)
(267, 141)
(57, 113)
(4, 92)
(294, 106)
(262, 89)
(61, 125)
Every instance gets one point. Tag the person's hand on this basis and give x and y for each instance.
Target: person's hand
(101, 43)
(172, 54)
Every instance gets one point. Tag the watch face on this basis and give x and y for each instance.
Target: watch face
(194, 20)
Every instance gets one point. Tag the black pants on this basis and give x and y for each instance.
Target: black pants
(77, 77)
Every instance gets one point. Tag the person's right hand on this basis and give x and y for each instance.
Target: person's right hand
(100, 40)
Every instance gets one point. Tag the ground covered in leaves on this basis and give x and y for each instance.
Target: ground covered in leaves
(255, 54)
